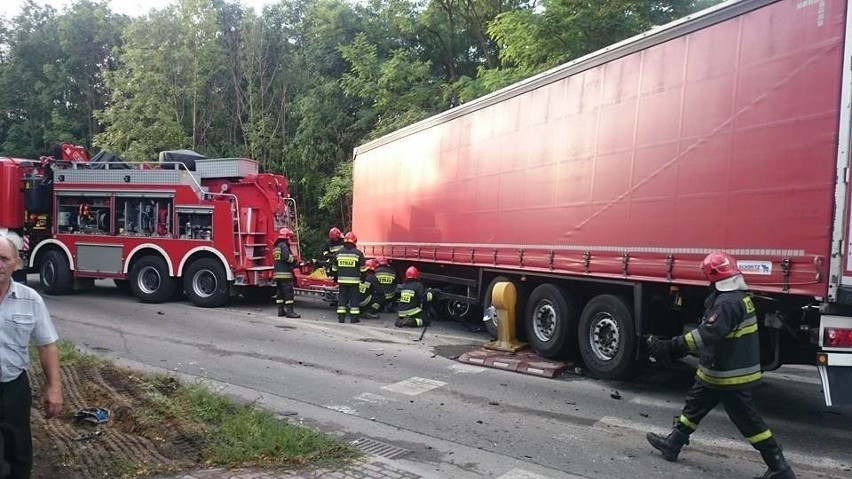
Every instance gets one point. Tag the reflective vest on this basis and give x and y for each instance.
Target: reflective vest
(727, 342)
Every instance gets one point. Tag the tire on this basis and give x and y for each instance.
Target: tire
(122, 285)
(150, 281)
(55, 273)
(550, 321)
(206, 284)
(607, 338)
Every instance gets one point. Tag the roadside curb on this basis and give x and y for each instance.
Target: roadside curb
(364, 468)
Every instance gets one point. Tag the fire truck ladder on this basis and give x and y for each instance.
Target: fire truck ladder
(251, 239)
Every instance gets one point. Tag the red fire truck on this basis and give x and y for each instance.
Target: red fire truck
(203, 226)
(598, 186)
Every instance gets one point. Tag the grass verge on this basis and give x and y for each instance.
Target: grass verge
(160, 425)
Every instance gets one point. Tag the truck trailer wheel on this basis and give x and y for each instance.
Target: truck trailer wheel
(607, 337)
(55, 273)
(150, 281)
(551, 321)
(205, 283)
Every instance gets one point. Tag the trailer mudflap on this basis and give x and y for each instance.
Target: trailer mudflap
(837, 380)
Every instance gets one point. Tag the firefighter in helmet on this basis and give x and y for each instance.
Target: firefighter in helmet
(726, 342)
(285, 263)
(387, 282)
(372, 297)
(413, 301)
(332, 246)
(347, 268)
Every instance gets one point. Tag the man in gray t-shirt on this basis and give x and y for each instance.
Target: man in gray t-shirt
(23, 318)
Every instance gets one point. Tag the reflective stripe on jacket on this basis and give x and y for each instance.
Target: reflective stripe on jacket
(387, 279)
(727, 342)
(348, 264)
(411, 296)
(284, 261)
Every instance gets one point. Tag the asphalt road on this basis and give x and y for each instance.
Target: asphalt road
(412, 402)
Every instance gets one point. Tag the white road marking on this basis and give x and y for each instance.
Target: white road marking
(344, 409)
(521, 474)
(373, 398)
(414, 386)
(715, 443)
(465, 368)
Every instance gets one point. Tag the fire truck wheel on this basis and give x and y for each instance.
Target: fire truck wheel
(607, 337)
(150, 281)
(551, 321)
(55, 273)
(205, 283)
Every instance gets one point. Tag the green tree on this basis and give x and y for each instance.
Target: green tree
(557, 31)
(167, 84)
(51, 76)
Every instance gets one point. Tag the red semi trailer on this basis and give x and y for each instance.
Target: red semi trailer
(598, 186)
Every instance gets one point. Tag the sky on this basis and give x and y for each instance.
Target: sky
(10, 8)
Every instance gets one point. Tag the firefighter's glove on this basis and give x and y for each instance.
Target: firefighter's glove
(432, 294)
(663, 350)
(660, 350)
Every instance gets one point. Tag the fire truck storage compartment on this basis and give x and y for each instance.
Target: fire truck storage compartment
(10, 195)
(83, 212)
(144, 214)
(195, 222)
(226, 168)
(101, 258)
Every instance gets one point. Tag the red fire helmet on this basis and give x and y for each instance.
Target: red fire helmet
(334, 234)
(350, 238)
(719, 265)
(412, 273)
(286, 234)
(370, 264)
(382, 261)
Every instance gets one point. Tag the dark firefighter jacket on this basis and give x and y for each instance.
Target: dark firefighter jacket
(387, 281)
(726, 341)
(331, 248)
(284, 261)
(412, 298)
(348, 265)
(369, 289)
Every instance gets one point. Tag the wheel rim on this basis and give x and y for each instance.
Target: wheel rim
(48, 273)
(544, 321)
(604, 336)
(457, 308)
(204, 283)
(149, 280)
